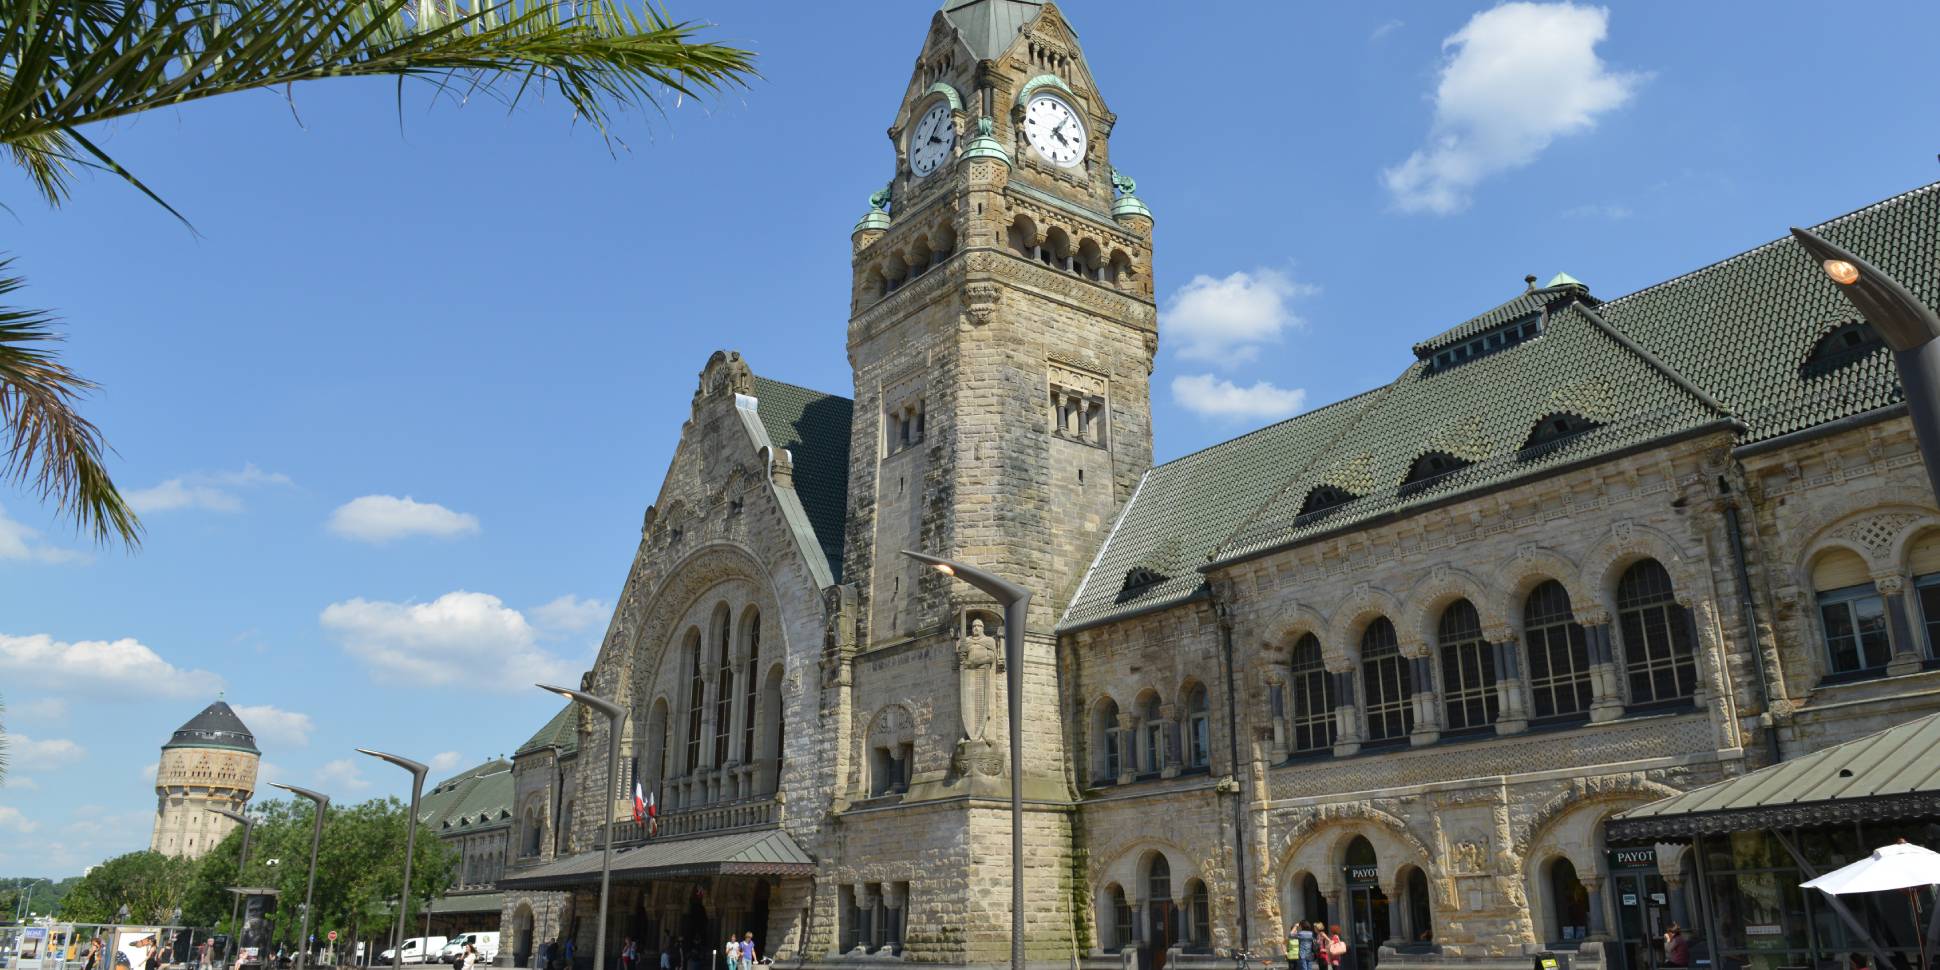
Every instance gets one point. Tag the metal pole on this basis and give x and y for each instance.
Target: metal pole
(309, 894)
(615, 717)
(242, 859)
(417, 771)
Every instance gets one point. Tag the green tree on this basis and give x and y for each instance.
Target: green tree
(66, 65)
(150, 884)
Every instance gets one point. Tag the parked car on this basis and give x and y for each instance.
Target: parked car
(454, 951)
(418, 949)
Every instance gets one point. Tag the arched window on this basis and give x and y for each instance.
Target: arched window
(696, 699)
(565, 827)
(1161, 920)
(1468, 670)
(1569, 901)
(751, 689)
(1559, 654)
(1387, 683)
(1198, 729)
(1152, 744)
(1198, 916)
(1313, 697)
(1429, 470)
(1923, 562)
(1121, 919)
(1843, 345)
(1658, 660)
(1107, 758)
(723, 691)
(1421, 925)
(1852, 613)
(1322, 500)
(1554, 432)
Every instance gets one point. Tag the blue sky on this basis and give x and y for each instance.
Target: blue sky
(499, 320)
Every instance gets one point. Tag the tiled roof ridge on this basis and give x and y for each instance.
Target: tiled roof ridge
(1326, 450)
(799, 387)
(1761, 247)
(1677, 377)
(1462, 331)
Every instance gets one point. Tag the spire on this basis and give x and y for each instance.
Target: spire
(216, 727)
(988, 26)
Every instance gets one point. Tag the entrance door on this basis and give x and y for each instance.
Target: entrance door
(1368, 907)
(1643, 910)
(1161, 932)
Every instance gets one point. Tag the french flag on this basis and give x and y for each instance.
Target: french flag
(644, 812)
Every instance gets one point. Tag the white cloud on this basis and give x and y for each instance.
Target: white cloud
(46, 662)
(381, 518)
(213, 491)
(570, 614)
(1215, 397)
(21, 782)
(21, 543)
(34, 753)
(1385, 29)
(1598, 210)
(42, 709)
(148, 771)
(446, 641)
(1520, 76)
(1223, 320)
(342, 773)
(271, 723)
(446, 760)
(11, 818)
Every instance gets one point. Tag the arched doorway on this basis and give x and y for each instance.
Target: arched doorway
(1418, 928)
(758, 917)
(522, 936)
(1161, 914)
(1367, 906)
(1569, 903)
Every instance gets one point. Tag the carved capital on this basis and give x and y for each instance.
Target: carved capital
(1889, 584)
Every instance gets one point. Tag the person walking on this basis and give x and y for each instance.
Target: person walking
(747, 951)
(627, 953)
(471, 957)
(1677, 947)
(731, 952)
(94, 954)
(1300, 947)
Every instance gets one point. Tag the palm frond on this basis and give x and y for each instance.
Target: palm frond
(69, 63)
(49, 447)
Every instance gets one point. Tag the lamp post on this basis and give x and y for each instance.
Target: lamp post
(417, 771)
(1907, 325)
(615, 716)
(1017, 602)
(322, 802)
(242, 859)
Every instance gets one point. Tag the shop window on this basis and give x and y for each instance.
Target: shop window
(1852, 614)
(1559, 654)
(1569, 902)
(1658, 660)
(1198, 729)
(1468, 670)
(1312, 710)
(1387, 684)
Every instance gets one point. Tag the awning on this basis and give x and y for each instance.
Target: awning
(468, 903)
(765, 852)
(1882, 777)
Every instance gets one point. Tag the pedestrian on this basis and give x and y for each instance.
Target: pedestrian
(731, 952)
(747, 951)
(471, 956)
(1300, 947)
(94, 954)
(628, 955)
(1677, 949)
(666, 953)
(569, 953)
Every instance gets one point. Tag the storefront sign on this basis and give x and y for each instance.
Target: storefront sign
(1630, 899)
(1362, 874)
(1764, 929)
(1644, 858)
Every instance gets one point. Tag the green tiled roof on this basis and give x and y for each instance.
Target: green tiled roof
(989, 26)
(814, 428)
(474, 798)
(1722, 347)
(1182, 509)
(561, 732)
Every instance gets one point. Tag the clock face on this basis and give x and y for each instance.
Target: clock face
(930, 145)
(1055, 131)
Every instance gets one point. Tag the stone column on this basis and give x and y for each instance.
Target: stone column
(1128, 742)
(1606, 692)
(1900, 628)
(1593, 886)
(1512, 700)
(1347, 719)
(1427, 701)
(1674, 888)
(1174, 756)
(866, 899)
(893, 896)
(1280, 707)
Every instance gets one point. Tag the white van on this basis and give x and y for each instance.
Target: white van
(454, 951)
(418, 949)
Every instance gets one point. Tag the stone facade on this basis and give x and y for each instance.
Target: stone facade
(210, 762)
(1200, 774)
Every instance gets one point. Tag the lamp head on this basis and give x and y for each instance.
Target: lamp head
(237, 816)
(416, 769)
(320, 798)
(613, 711)
(1005, 591)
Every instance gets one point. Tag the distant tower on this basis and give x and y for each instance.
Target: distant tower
(209, 763)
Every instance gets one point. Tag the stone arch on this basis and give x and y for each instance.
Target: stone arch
(888, 746)
(1625, 545)
(1436, 591)
(1612, 793)
(1341, 646)
(1532, 566)
(1878, 534)
(1126, 863)
(1317, 842)
(1285, 628)
(688, 582)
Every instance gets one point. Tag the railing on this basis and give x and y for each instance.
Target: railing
(718, 817)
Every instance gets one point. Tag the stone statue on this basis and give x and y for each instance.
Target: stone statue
(879, 199)
(1123, 183)
(978, 661)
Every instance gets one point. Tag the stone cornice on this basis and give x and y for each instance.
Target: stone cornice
(967, 265)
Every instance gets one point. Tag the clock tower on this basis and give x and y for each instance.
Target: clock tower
(1002, 332)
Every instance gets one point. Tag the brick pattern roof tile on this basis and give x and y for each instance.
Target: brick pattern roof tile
(814, 428)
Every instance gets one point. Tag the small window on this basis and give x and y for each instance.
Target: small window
(1198, 729)
(1855, 629)
(1322, 500)
(1429, 470)
(1555, 432)
(1842, 346)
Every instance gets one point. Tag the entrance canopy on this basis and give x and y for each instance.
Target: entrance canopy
(766, 852)
(1890, 776)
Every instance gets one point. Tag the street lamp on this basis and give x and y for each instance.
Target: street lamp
(1907, 325)
(242, 859)
(1017, 602)
(417, 771)
(316, 835)
(615, 716)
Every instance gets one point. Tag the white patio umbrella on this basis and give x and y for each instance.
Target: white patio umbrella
(1901, 865)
